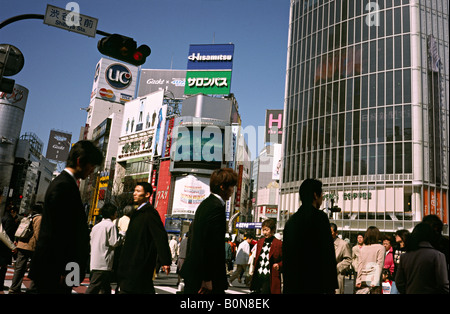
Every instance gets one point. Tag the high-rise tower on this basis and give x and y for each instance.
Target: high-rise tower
(367, 110)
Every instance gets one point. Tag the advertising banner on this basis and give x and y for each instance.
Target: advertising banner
(58, 146)
(114, 81)
(208, 82)
(144, 114)
(274, 126)
(171, 81)
(211, 57)
(163, 189)
(189, 192)
(276, 165)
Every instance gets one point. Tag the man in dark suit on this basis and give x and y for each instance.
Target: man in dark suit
(204, 269)
(309, 262)
(145, 241)
(62, 250)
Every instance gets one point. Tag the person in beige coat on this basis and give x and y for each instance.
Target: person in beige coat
(370, 264)
(343, 257)
(25, 250)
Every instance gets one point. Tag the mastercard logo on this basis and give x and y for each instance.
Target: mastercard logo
(106, 93)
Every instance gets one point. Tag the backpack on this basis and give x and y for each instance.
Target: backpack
(25, 229)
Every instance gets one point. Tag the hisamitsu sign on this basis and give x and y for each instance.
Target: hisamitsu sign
(210, 57)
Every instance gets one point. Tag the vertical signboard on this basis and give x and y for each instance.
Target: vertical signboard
(274, 126)
(163, 189)
(58, 146)
(209, 69)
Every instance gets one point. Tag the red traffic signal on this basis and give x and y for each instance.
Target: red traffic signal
(124, 49)
(11, 63)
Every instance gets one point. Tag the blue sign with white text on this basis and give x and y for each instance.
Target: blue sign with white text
(211, 57)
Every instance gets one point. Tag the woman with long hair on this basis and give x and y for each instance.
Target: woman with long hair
(371, 262)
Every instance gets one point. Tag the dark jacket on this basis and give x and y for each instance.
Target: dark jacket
(309, 262)
(145, 241)
(63, 237)
(206, 256)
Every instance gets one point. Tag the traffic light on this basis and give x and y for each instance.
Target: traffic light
(335, 209)
(124, 49)
(11, 63)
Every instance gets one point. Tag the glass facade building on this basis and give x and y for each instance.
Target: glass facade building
(367, 110)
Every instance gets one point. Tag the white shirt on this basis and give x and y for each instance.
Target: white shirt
(71, 174)
(219, 197)
(243, 253)
(104, 238)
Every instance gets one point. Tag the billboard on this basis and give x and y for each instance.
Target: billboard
(171, 81)
(209, 69)
(211, 57)
(189, 192)
(208, 82)
(58, 146)
(274, 126)
(114, 81)
(146, 116)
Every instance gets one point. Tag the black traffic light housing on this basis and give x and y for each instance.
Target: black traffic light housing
(124, 49)
(11, 63)
(334, 208)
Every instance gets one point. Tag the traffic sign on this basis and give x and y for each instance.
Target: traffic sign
(72, 21)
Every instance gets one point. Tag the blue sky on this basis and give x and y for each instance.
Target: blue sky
(60, 65)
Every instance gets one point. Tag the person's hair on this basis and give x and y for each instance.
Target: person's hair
(403, 234)
(389, 238)
(333, 226)
(421, 232)
(269, 223)
(225, 177)
(148, 188)
(372, 236)
(128, 210)
(434, 221)
(36, 209)
(308, 188)
(108, 210)
(87, 152)
(387, 272)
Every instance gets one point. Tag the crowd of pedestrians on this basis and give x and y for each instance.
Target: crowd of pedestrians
(130, 250)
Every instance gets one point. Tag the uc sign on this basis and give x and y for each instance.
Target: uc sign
(118, 76)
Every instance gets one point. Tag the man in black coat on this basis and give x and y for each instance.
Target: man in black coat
(204, 269)
(309, 262)
(145, 241)
(62, 250)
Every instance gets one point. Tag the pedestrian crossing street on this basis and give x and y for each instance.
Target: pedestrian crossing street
(163, 285)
